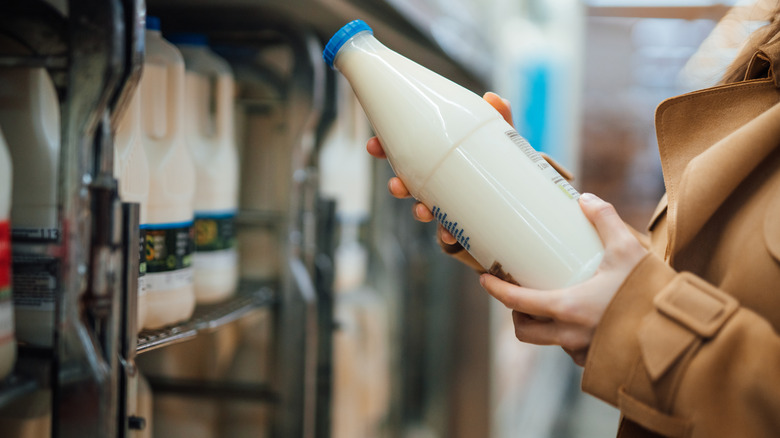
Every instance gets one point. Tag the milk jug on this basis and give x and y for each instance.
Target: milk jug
(131, 169)
(169, 229)
(7, 340)
(30, 119)
(209, 98)
(360, 346)
(483, 182)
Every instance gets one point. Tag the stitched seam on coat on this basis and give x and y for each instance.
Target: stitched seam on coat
(669, 404)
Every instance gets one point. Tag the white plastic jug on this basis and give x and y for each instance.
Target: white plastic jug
(483, 182)
(344, 166)
(7, 339)
(169, 246)
(131, 169)
(209, 109)
(30, 117)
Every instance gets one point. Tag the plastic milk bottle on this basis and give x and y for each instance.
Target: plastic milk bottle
(7, 340)
(209, 98)
(30, 119)
(483, 182)
(131, 168)
(169, 229)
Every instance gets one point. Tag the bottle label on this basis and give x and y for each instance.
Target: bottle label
(168, 251)
(36, 235)
(215, 240)
(142, 260)
(452, 226)
(215, 231)
(35, 282)
(542, 164)
(6, 304)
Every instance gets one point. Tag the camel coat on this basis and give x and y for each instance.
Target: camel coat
(689, 345)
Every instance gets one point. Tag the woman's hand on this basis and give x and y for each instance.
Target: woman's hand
(568, 317)
(399, 190)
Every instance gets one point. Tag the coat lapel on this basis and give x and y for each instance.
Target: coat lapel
(731, 128)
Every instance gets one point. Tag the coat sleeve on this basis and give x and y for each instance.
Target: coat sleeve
(682, 358)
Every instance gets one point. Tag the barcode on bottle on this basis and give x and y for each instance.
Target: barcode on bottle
(566, 187)
(527, 149)
(543, 165)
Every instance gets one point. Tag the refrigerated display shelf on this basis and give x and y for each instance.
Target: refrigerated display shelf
(225, 390)
(249, 297)
(14, 387)
(30, 61)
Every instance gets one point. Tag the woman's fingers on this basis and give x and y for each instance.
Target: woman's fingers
(445, 236)
(397, 188)
(578, 356)
(501, 105)
(421, 212)
(603, 216)
(623, 249)
(549, 332)
(525, 300)
(374, 147)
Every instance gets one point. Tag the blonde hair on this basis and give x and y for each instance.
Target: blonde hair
(738, 68)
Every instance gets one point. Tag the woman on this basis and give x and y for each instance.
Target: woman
(679, 329)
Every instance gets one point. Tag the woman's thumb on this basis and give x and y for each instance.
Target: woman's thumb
(602, 215)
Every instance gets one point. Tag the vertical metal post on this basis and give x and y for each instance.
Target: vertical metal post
(85, 368)
(128, 332)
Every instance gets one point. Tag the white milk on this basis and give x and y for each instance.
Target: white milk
(209, 109)
(131, 169)
(30, 117)
(484, 183)
(7, 340)
(169, 229)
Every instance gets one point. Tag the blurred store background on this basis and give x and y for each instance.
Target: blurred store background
(348, 321)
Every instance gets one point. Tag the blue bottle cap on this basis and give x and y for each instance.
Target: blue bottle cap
(152, 23)
(342, 36)
(189, 39)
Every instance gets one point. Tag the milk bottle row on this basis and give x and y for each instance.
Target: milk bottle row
(175, 155)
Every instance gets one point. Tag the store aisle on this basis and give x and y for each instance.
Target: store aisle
(588, 417)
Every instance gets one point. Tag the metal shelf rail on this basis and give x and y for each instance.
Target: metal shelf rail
(209, 317)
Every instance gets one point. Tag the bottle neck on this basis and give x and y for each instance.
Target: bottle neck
(363, 41)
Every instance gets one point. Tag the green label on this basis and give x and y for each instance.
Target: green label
(168, 247)
(215, 232)
(142, 251)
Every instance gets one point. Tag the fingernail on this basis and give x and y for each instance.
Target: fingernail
(588, 197)
(482, 280)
